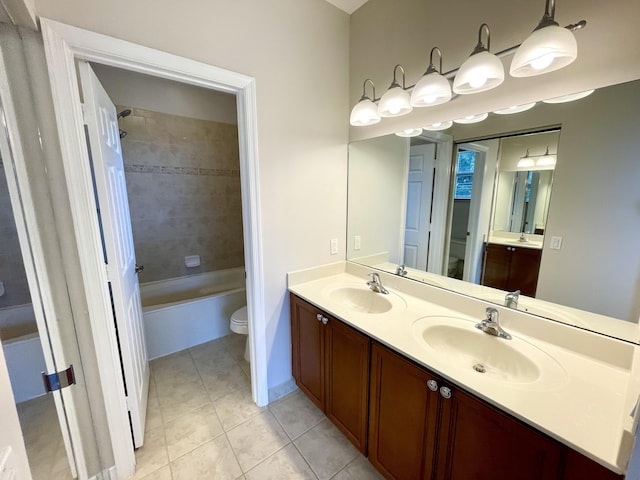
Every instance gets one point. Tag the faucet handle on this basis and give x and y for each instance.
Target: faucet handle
(492, 314)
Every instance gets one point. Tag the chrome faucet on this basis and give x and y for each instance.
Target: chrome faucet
(491, 325)
(375, 284)
(511, 299)
(401, 270)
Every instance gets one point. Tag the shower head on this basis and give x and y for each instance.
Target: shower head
(124, 113)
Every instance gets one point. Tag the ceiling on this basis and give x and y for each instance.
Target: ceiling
(348, 6)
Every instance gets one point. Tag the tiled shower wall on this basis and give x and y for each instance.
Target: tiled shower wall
(183, 182)
(12, 272)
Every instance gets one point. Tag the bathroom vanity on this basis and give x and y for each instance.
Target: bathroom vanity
(424, 394)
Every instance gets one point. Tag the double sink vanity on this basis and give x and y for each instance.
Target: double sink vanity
(421, 386)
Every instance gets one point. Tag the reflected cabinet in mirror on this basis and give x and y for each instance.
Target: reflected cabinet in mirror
(538, 210)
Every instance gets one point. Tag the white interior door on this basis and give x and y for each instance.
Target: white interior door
(106, 154)
(419, 194)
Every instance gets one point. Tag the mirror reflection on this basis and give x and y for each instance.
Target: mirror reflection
(538, 210)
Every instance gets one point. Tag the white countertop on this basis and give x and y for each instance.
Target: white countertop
(588, 410)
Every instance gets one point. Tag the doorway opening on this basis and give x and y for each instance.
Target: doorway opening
(65, 45)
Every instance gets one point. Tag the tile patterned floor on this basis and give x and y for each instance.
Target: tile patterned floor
(42, 437)
(203, 424)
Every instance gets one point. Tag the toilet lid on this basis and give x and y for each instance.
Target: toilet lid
(240, 316)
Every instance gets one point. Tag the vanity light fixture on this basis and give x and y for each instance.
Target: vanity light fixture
(409, 132)
(482, 71)
(396, 100)
(472, 118)
(516, 109)
(365, 112)
(526, 162)
(546, 161)
(550, 47)
(436, 127)
(569, 98)
(433, 88)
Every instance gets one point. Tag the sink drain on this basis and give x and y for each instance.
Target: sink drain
(478, 367)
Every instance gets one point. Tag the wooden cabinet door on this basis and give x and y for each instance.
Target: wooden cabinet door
(524, 269)
(496, 266)
(403, 417)
(307, 349)
(347, 354)
(477, 441)
(578, 467)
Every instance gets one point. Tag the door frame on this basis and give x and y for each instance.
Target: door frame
(64, 45)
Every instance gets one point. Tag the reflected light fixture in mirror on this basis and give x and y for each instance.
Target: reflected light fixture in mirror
(550, 47)
(482, 71)
(409, 132)
(546, 161)
(396, 100)
(433, 88)
(569, 98)
(365, 112)
(472, 118)
(436, 127)
(516, 109)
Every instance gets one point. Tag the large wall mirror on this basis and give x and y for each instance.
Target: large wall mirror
(545, 202)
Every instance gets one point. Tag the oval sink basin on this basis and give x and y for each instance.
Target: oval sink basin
(464, 347)
(361, 298)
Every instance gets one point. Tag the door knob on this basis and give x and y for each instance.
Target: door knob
(139, 268)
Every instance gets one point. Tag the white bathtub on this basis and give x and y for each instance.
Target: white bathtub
(183, 312)
(22, 351)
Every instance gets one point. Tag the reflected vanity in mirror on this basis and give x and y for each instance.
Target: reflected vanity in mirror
(553, 190)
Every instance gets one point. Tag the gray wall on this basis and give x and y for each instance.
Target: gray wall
(183, 182)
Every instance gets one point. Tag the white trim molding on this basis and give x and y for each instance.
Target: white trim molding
(64, 45)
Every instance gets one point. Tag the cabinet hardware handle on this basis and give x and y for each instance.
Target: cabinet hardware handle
(319, 317)
(445, 392)
(325, 320)
(432, 385)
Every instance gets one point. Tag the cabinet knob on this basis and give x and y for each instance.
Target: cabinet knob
(445, 392)
(325, 320)
(432, 385)
(319, 317)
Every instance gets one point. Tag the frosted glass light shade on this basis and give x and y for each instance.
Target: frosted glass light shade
(525, 163)
(364, 113)
(569, 98)
(547, 160)
(409, 132)
(546, 50)
(480, 72)
(435, 127)
(395, 102)
(472, 118)
(516, 109)
(431, 89)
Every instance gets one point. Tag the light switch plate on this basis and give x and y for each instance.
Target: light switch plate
(356, 242)
(334, 246)
(556, 243)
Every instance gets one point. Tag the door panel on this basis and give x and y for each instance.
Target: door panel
(347, 380)
(478, 441)
(419, 196)
(307, 339)
(106, 154)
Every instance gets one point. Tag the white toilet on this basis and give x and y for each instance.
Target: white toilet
(240, 324)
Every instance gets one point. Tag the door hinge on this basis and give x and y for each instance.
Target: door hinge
(85, 113)
(58, 380)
